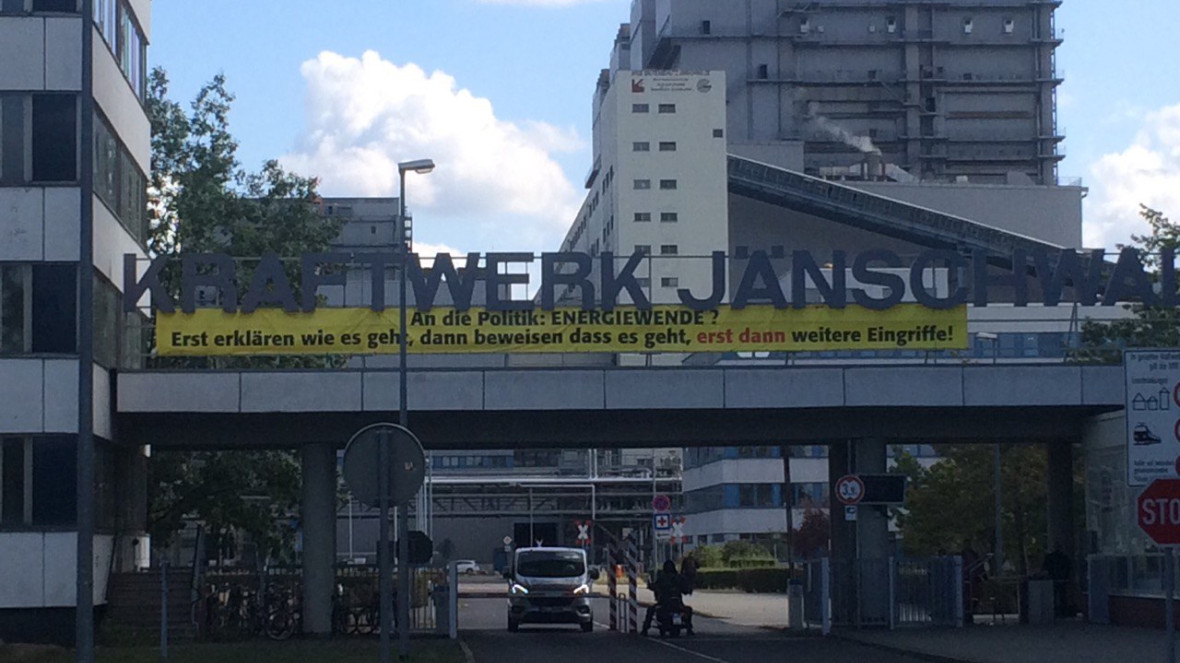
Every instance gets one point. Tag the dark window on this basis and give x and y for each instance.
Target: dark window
(55, 296)
(642, 216)
(668, 146)
(12, 139)
(13, 299)
(118, 181)
(667, 185)
(667, 108)
(55, 5)
(642, 184)
(669, 282)
(55, 138)
(719, 133)
(669, 249)
(106, 323)
(645, 249)
(12, 481)
(706, 27)
(641, 146)
(54, 483)
(763, 71)
(639, 108)
(669, 217)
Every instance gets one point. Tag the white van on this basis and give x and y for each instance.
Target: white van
(550, 586)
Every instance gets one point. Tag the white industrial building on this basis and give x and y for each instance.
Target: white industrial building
(943, 110)
(75, 148)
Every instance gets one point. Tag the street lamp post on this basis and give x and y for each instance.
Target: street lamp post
(404, 238)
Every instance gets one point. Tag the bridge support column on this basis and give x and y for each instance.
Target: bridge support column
(319, 537)
(1060, 509)
(860, 548)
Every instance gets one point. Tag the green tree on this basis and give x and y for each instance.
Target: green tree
(951, 505)
(202, 200)
(1150, 326)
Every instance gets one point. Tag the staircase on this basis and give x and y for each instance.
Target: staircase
(133, 605)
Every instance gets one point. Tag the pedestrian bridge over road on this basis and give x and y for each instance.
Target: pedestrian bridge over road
(497, 408)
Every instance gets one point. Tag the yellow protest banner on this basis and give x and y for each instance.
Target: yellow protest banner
(354, 331)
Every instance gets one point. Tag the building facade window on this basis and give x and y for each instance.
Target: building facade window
(37, 479)
(46, 6)
(642, 184)
(667, 146)
(667, 108)
(669, 249)
(668, 185)
(118, 181)
(641, 146)
(669, 282)
(669, 217)
(639, 108)
(644, 249)
(123, 36)
(38, 139)
(642, 217)
(38, 308)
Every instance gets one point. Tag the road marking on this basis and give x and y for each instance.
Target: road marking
(468, 657)
(690, 652)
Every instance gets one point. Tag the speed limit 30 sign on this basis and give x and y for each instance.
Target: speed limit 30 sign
(850, 489)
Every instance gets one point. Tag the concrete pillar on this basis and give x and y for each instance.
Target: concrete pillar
(319, 537)
(1060, 499)
(872, 539)
(843, 538)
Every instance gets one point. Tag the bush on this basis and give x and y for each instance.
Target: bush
(761, 580)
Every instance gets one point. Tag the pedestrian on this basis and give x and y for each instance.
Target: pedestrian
(1059, 569)
(688, 572)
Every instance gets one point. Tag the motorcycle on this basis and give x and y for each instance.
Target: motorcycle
(672, 617)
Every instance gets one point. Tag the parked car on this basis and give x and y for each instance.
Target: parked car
(468, 566)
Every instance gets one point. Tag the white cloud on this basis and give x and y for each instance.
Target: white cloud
(1147, 172)
(365, 115)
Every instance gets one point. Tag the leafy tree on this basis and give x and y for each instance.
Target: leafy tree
(202, 200)
(1151, 326)
(811, 539)
(951, 505)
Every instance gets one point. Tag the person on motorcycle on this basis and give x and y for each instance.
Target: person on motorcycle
(668, 588)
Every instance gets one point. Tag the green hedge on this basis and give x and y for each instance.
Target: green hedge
(761, 580)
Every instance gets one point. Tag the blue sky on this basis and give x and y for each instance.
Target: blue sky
(498, 93)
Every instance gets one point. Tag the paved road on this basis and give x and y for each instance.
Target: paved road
(482, 626)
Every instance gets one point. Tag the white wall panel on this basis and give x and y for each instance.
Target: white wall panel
(143, 12)
(63, 223)
(21, 585)
(22, 50)
(118, 102)
(21, 220)
(20, 396)
(60, 553)
(63, 46)
(61, 396)
(111, 241)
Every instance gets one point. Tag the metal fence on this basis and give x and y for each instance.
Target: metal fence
(252, 604)
(883, 593)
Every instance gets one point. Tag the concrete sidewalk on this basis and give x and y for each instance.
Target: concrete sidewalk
(1067, 642)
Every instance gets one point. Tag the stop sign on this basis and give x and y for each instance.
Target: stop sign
(1159, 511)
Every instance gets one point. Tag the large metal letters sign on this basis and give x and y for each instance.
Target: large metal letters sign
(273, 312)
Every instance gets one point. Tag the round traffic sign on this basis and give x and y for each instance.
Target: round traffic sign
(1158, 510)
(362, 464)
(661, 503)
(850, 489)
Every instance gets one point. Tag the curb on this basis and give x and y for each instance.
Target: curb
(921, 655)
